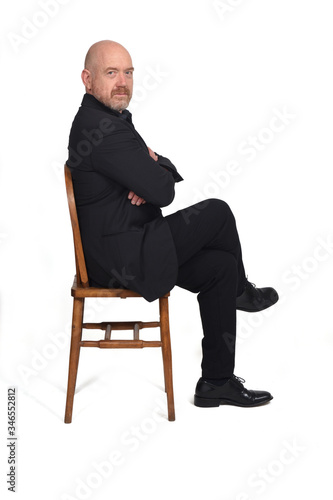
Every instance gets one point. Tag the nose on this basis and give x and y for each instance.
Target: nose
(121, 80)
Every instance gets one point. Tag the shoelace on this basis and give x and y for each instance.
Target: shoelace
(239, 379)
(253, 289)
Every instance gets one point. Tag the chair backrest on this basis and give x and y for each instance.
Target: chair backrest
(81, 270)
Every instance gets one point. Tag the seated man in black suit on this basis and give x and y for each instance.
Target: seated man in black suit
(120, 186)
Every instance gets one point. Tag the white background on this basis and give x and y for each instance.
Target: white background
(223, 73)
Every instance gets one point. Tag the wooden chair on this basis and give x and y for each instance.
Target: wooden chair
(81, 290)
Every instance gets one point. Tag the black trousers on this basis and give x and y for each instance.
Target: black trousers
(210, 264)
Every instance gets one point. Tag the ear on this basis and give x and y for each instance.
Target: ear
(86, 78)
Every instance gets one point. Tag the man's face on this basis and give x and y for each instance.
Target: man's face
(111, 78)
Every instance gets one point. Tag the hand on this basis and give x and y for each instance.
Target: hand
(135, 200)
(152, 154)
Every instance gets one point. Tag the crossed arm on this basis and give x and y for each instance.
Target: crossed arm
(135, 199)
(122, 158)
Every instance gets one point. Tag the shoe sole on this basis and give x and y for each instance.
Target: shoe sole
(213, 403)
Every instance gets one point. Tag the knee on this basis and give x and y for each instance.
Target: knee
(218, 207)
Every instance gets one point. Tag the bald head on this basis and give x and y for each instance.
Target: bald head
(100, 50)
(108, 74)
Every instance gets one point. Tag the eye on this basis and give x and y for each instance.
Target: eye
(111, 72)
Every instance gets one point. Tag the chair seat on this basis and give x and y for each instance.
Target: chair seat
(80, 291)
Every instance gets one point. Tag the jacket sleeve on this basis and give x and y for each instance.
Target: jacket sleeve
(166, 163)
(120, 157)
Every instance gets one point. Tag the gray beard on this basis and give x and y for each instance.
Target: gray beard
(108, 104)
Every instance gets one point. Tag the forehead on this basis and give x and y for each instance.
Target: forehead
(114, 57)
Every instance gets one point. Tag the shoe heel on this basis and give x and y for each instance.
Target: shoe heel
(205, 402)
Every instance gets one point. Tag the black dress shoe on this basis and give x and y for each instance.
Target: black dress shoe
(232, 392)
(256, 299)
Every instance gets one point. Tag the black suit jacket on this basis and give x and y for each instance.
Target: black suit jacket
(124, 245)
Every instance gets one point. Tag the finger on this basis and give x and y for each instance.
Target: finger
(134, 199)
(130, 195)
(152, 154)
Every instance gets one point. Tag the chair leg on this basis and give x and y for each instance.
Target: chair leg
(166, 353)
(78, 309)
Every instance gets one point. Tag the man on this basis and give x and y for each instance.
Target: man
(120, 186)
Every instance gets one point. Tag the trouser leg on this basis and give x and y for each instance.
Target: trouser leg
(213, 275)
(210, 264)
